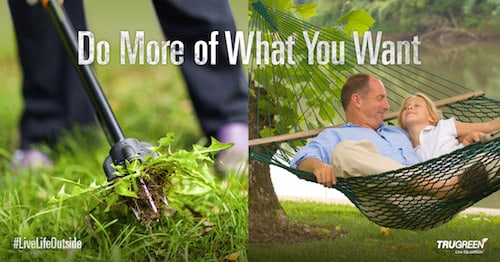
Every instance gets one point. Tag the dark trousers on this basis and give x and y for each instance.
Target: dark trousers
(219, 92)
(54, 98)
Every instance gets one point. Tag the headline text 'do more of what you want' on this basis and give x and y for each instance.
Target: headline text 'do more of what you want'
(369, 48)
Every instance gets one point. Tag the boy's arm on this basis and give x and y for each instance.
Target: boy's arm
(464, 129)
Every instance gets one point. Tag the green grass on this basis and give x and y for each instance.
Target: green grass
(362, 240)
(114, 235)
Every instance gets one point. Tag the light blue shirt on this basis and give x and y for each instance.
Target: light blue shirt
(392, 142)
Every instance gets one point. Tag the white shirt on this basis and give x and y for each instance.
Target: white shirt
(438, 140)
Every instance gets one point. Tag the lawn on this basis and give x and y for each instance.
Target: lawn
(363, 240)
(149, 102)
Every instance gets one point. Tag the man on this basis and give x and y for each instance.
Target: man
(365, 146)
(383, 148)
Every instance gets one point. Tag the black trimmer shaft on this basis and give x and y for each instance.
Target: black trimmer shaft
(122, 149)
(105, 114)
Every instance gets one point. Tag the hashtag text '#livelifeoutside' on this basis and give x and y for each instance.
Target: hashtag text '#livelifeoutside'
(46, 243)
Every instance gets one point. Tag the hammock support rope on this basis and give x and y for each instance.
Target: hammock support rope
(417, 197)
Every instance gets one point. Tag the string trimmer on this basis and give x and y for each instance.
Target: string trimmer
(123, 149)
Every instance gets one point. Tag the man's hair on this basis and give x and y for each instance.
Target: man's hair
(357, 83)
(434, 112)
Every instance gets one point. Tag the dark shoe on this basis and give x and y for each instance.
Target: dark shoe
(30, 158)
(235, 158)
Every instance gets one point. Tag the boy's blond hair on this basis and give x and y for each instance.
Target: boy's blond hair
(434, 112)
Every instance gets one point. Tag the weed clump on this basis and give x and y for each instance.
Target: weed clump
(144, 185)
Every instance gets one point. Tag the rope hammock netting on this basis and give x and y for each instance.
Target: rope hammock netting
(291, 103)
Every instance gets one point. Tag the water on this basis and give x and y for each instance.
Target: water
(473, 65)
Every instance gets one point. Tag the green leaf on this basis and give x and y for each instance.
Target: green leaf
(282, 5)
(167, 140)
(193, 190)
(306, 10)
(215, 146)
(122, 188)
(110, 200)
(62, 193)
(327, 113)
(266, 132)
(77, 190)
(357, 20)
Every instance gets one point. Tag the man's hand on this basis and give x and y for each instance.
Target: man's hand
(323, 172)
(325, 175)
(471, 138)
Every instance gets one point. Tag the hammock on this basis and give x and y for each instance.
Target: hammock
(389, 199)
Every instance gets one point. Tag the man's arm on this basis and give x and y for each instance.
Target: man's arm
(323, 172)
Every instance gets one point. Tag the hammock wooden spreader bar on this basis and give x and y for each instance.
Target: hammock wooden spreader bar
(388, 117)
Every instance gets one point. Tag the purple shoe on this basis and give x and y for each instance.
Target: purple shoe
(236, 157)
(30, 158)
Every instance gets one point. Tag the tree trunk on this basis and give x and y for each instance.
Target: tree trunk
(266, 216)
(267, 221)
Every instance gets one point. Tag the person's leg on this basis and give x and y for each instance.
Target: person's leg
(360, 158)
(219, 92)
(54, 98)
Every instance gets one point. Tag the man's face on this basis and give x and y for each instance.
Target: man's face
(374, 104)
